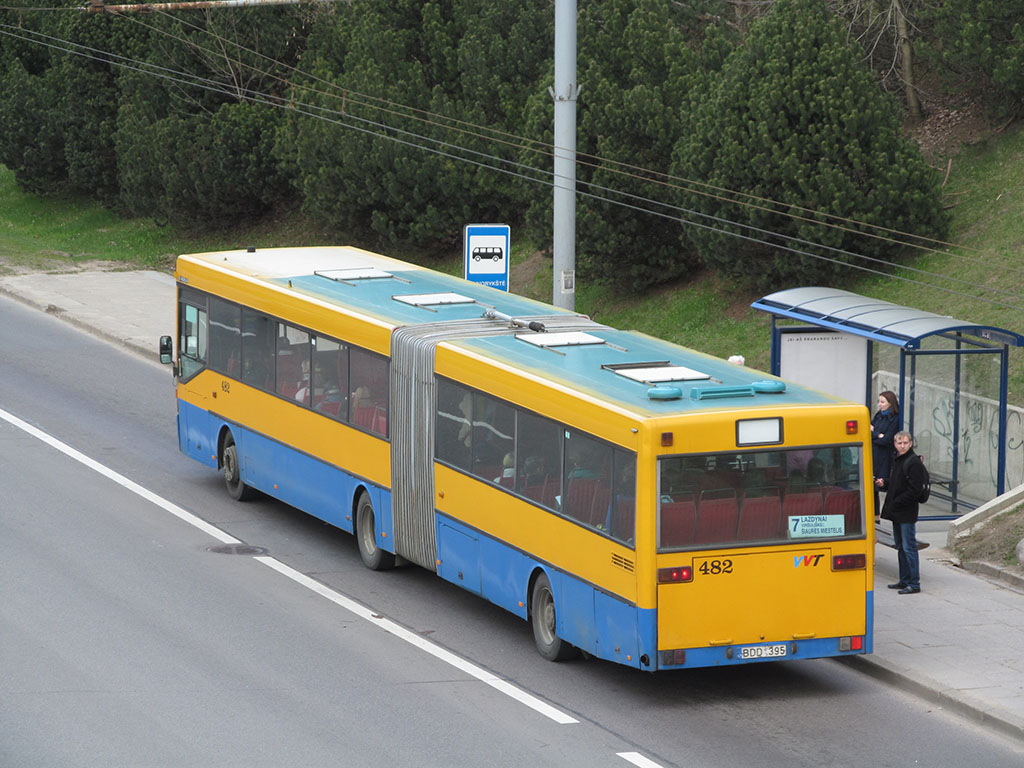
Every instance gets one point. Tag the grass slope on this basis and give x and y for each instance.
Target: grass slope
(983, 189)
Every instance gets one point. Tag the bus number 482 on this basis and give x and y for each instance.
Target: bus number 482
(715, 567)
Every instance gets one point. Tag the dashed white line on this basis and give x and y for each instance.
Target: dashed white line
(638, 760)
(420, 642)
(120, 479)
(337, 598)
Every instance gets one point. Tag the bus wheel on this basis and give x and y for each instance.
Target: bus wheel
(542, 617)
(237, 489)
(374, 558)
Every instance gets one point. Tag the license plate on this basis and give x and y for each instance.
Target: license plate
(764, 651)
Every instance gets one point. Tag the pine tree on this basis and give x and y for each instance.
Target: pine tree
(796, 122)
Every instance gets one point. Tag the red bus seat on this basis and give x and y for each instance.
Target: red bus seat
(760, 518)
(717, 518)
(379, 424)
(600, 511)
(543, 493)
(847, 504)
(363, 416)
(678, 520)
(794, 504)
(581, 498)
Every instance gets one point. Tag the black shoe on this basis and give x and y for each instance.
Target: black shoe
(898, 585)
(909, 591)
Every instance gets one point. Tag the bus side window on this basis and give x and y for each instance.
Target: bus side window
(225, 337)
(588, 479)
(326, 388)
(258, 354)
(370, 388)
(493, 438)
(192, 342)
(453, 441)
(292, 362)
(622, 510)
(538, 459)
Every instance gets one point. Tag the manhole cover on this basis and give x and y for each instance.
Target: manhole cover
(236, 549)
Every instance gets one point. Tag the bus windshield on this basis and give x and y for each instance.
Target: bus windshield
(759, 497)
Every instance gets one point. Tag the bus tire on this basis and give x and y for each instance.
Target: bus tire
(543, 621)
(374, 558)
(237, 489)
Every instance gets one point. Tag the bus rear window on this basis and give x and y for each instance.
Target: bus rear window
(735, 499)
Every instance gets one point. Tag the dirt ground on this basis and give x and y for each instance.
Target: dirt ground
(996, 541)
(56, 262)
(945, 129)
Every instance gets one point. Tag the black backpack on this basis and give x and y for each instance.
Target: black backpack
(926, 488)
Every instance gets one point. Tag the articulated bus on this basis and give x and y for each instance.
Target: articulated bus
(632, 499)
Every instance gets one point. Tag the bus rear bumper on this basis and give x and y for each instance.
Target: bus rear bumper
(816, 648)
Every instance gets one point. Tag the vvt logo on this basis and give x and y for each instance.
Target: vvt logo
(810, 560)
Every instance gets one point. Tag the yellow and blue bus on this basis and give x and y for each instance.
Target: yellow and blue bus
(641, 502)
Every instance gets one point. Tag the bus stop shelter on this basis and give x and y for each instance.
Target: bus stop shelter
(950, 376)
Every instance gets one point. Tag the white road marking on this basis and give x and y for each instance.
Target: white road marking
(120, 479)
(638, 760)
(420, 642)
(321, 589)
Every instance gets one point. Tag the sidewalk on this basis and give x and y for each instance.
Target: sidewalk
(959, 643)
(132, 309)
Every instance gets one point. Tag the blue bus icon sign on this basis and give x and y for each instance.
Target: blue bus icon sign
(486, 254)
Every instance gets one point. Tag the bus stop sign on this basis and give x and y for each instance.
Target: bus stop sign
(486, 256)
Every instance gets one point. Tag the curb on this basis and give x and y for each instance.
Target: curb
(950, 699)
(148, 352)
(995, 573)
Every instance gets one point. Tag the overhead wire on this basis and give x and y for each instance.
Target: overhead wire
(584, 158)
(18, 9)
(216, 86)
(594, 161)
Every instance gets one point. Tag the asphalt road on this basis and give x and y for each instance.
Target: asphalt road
(125, 641)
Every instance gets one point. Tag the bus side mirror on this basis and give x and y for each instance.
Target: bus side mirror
(166, 350)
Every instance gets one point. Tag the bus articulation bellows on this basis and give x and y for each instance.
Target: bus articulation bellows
(630, 498)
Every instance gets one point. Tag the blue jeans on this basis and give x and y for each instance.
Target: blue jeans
(905, 538)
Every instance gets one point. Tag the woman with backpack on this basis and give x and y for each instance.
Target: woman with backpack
(907, 481)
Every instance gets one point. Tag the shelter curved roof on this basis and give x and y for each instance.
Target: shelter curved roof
(875, 319)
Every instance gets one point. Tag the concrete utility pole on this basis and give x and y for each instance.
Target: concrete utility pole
(564, 93)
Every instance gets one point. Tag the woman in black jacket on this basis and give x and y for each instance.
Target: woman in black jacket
(903, 489)
(883, 429)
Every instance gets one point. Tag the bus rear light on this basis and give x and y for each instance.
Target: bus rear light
(855, 643)
(851, 427)
(672, 658)
(675, 575)
(849, 562)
